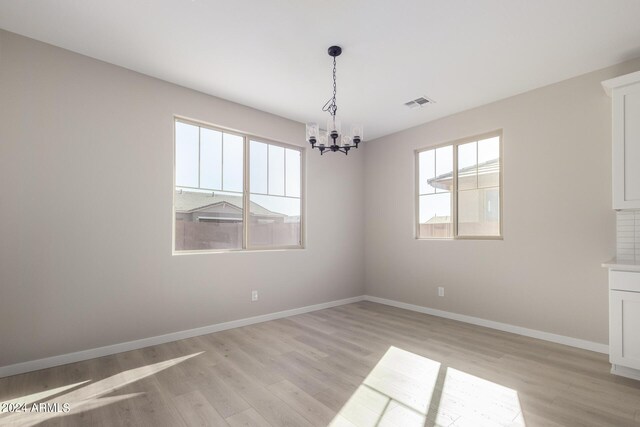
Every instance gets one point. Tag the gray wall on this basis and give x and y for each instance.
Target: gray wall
(84, 147)
(558, 222)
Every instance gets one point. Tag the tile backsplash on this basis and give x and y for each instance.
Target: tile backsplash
(628, 235)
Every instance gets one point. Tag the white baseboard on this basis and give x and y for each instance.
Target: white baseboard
(48, 362)
(547, 336)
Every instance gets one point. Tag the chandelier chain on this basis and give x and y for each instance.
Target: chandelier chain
(331, 105)
(335, 88)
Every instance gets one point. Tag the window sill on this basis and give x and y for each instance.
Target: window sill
(228, 251)
(462, 238)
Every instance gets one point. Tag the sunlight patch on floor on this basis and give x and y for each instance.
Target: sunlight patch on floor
(108, 385)
(473, 401)
(405, 389)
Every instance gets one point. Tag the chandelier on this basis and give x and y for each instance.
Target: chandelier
(332, 139)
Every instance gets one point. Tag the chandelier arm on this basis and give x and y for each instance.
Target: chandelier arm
(327, 105)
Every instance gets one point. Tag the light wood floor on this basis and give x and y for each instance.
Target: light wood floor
(359, 364)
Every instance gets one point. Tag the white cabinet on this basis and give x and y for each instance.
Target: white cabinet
(625, 329)
(625, 124)
(624, 322)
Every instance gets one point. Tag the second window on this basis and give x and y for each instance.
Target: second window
(459, 189)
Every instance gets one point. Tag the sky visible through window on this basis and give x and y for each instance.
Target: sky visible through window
(435, 197)
(435, 202)
(212, 161)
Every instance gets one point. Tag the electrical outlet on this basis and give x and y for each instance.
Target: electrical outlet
(254, 295)
(440, 291)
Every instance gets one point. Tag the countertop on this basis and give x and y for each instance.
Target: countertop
(622, 264)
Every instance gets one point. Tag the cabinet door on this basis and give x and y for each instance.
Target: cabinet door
(626, 147)
(624, 333)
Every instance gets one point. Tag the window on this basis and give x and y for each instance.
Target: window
(234, 191)
(459, 189)
(275, 195)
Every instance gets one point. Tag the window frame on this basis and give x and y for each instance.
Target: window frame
(454, 191)
(246, 190)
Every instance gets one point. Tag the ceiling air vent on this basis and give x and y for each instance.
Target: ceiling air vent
(419, 102)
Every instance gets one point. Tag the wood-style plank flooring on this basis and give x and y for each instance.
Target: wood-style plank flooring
(361, 364)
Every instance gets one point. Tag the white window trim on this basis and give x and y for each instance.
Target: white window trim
(454, 191)
(247, 137)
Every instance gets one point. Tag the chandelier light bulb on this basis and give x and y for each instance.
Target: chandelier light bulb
(322, 139)
(333, 127)
(312, 132)
(356, 132)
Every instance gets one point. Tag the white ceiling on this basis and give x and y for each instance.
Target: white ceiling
(271, 54)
